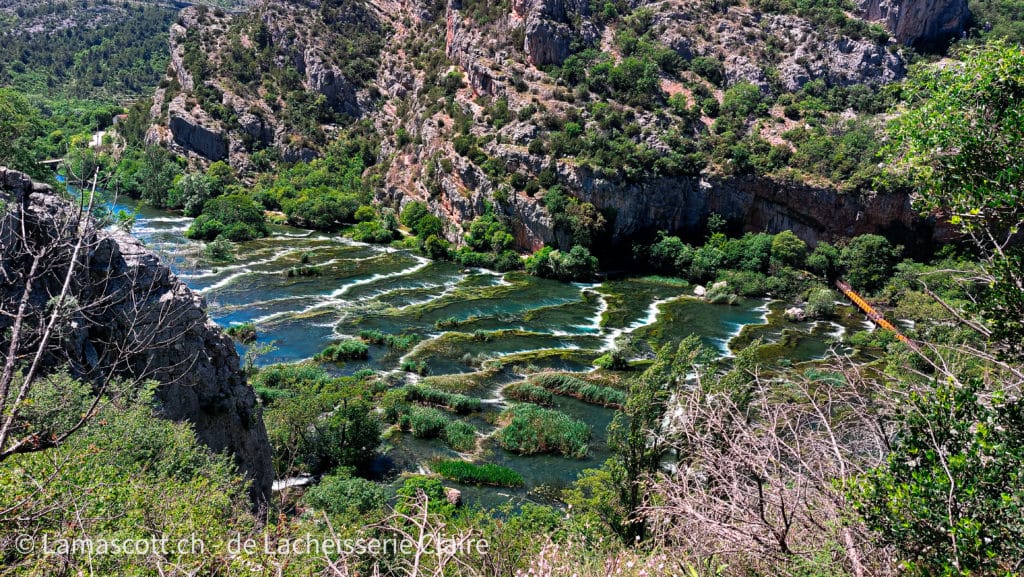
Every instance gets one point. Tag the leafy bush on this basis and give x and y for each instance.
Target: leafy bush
(711, 69)
(236, 216)
(472, 474)
(346, 350)
(531, 429)
(613, 360)
(339, 494)
(821, 302)
(575, 265)
(244, 333)
(372, 231)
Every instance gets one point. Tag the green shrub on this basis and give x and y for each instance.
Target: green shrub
(575, 265)
(346, 350)
(338, 494)
(372, 231)
(244, 333)
(219, 250)
(821, 302)
(613, 360)
(472, 474)
(531, 429)
(236, 216)
(303, 271)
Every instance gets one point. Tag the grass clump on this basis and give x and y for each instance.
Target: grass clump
(303, 271)
(346, 350)
(244, 333)
(418, 367)
(372, 336)
(587, 392)
(400, 342)
(531, 429)
(460, 436)
(431, 423)
(528, 392)
(472, 474)
(427, 422)
(461, 404)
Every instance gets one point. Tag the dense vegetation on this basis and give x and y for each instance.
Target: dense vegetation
(121, 52)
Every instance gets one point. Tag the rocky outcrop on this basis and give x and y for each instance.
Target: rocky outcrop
(808, 52)
(918, 22)
(143, 323)
(548, 28)
(463, 47)
(243, 118)
(839, 60)
(194, 130)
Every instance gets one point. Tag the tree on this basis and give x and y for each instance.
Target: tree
(960, 142)
(236, 216)
(635, 435)
(950, 497)
(869, 260)
(824, 260)
(788, 250)
(20, 125)
(191, 192)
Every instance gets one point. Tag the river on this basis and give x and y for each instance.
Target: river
(505, 325)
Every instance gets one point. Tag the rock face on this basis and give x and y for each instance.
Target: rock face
(549, 31)
(194, 130)
(158, 325)
(294, 33)
(918, 21)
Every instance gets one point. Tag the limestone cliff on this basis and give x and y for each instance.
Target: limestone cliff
(918, 21)
(145, 324)
(445, 67)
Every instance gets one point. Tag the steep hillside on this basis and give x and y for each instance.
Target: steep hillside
(576, 123)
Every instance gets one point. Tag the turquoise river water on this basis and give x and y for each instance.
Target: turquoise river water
(508, 325)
